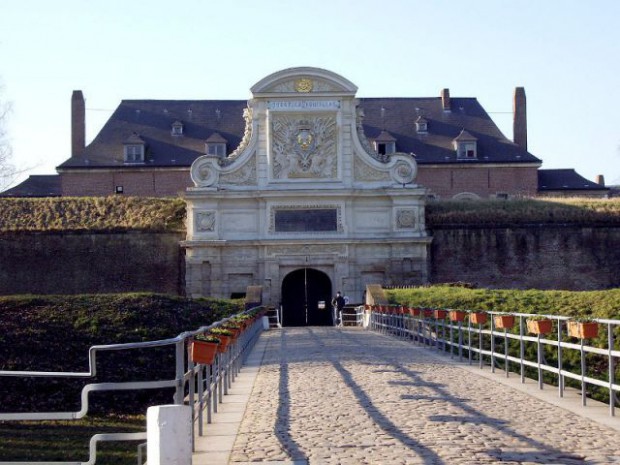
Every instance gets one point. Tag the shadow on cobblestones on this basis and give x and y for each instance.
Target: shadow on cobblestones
(539, 453)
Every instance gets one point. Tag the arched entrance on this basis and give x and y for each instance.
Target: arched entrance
(302, 290)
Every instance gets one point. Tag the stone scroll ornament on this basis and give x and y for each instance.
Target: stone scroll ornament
(404, 171)
(205, 172)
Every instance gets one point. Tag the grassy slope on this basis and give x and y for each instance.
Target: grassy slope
(54, 333)
(92, 214)
(120, 213)
(598, 304)
(524, 211)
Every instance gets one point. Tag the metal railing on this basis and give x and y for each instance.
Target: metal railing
(210, 382)
(468, 341)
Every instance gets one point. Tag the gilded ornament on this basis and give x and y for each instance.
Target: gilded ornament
(304, 85)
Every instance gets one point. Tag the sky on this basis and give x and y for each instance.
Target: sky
(565, 53)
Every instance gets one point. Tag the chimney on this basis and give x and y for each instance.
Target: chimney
(78, 124)
(445, 99)
(600, 180)
(519, 127)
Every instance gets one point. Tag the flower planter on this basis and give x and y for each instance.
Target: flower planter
(225, 341)
(478, 318)
(457, 315)
(504, 321)
(539, 326)
(583, 329)
(428, 313)
(203, 352)
(414, 311)
(440, 314)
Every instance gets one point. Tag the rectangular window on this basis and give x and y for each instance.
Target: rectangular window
(134, 153)
(217, 149)
(309, 220)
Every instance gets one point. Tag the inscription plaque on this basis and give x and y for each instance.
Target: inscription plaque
(307, 220)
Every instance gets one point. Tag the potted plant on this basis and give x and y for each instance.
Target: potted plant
(478, 318)
(582, 328)
(539, 325)
(440, 314)
(203, 348)
(504, 321)
(457, 315)
(224, 335)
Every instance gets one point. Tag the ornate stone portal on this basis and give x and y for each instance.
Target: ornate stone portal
(304, 189)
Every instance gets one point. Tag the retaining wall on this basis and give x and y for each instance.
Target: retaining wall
(78, 263)
(540, 257)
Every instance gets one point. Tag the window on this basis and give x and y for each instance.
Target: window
(502, 195)
(118, 189)
(177, 128)
(134, 153)
(384, 148)
(216, 145)
(466, 146)
(134, 148)
(421, 125)
(216, 149)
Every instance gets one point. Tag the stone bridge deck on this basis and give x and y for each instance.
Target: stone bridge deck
(340, 396)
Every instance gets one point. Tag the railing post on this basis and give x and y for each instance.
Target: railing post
(522, 352)
(180, 371)
(583, 373)
(611, 370)
(560, 375)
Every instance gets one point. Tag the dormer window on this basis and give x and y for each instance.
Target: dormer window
(216, 145)
(134, 149)
(466, 146)
(385, 143)
(177, 128)
(421, 125)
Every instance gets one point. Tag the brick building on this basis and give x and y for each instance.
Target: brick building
(147, 146)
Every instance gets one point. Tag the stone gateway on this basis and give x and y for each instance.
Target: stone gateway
(304, 206)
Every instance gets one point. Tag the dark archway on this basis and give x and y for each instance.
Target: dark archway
(302, 290)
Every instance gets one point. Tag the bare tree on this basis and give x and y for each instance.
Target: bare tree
(7, 170)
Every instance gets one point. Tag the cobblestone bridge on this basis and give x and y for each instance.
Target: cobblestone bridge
(347, 396)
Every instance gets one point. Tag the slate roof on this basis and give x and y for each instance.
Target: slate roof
(152, 120)
(565, 179)
(47, 185)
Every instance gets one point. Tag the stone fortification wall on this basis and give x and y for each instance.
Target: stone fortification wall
(77, 263)
(541, 257)
(549, 257)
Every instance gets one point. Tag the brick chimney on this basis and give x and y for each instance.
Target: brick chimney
(600, 180)
(78, 124)
(445, 99)
(519, 127)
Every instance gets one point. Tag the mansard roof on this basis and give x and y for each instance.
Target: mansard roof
(201, 119)
(36, 185)
(565, 179)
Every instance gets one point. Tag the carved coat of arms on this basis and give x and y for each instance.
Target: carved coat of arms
(304, 148)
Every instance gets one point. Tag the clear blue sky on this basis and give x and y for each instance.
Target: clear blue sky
(565, 53)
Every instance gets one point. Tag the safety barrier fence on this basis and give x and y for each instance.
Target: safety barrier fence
(496, 337)
(200, 385)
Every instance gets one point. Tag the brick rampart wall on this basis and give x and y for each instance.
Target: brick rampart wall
(73, 263)
(562, 257)
(147, 183)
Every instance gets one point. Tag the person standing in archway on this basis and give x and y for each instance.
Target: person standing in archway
(337, 305)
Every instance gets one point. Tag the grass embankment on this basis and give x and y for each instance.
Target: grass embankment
(572, 211)
(119, 213)
(587, 304)
(54, 333)
(583, 304)
(116, 213)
